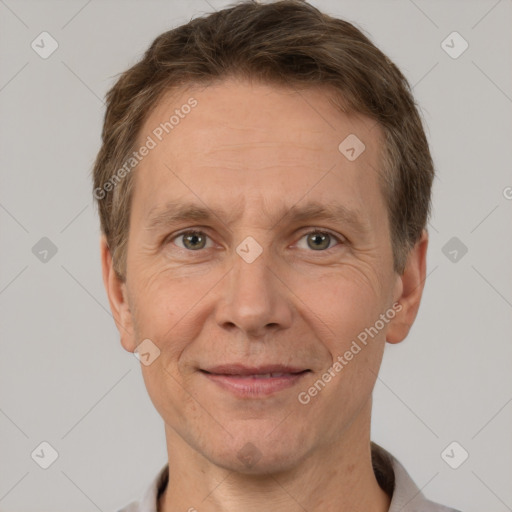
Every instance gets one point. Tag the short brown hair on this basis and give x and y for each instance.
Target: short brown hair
(287, 42)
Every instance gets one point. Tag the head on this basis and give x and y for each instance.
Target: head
(263, 188)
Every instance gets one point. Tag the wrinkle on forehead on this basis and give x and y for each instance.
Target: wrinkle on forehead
(252, 140)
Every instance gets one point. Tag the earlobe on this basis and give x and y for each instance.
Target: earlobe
(117, 297)
(410, 289)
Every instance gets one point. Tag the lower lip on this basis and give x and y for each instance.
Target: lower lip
(254, 387)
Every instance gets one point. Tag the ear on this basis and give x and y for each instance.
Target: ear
(117, 297)
(409, 291)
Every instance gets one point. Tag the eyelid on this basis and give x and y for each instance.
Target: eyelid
(196, 229)
(341, 239)
(338, 236)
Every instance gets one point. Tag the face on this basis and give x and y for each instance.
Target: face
(256, 246)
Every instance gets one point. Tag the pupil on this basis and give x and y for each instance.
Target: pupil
(322, 239)
(193, 239)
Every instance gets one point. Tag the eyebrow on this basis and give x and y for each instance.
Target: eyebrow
(173, 213)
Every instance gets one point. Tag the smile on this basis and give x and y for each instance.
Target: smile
(255, 385)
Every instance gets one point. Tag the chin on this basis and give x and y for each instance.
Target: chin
(259, 454)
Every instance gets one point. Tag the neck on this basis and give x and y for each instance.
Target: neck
(338, 477)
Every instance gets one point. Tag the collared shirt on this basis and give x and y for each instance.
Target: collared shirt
(390, 474)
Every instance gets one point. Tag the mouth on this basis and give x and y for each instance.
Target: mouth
(254, 382)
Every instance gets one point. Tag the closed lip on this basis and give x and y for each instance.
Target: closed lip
(239, 369)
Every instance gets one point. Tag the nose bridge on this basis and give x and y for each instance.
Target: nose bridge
(253, 297)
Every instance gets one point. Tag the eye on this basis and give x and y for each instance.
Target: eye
(319, 240)
(195, 240)
(192, 240)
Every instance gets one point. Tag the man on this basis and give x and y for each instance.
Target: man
(263, 189)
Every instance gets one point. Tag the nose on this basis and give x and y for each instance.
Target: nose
(255, 299)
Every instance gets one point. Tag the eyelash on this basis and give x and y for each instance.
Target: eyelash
(340, 239)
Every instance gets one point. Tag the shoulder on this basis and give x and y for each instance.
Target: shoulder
(396, 481)
(149, 500)
(134, 506)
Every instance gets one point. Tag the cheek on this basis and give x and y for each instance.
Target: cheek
(341, 305)
(167, 392)
(170, 310)
(166, 313)
(343, 311)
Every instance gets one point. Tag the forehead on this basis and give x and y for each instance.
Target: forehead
(241, 140)
(256, 112)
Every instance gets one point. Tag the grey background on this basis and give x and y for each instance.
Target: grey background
(64, 377)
